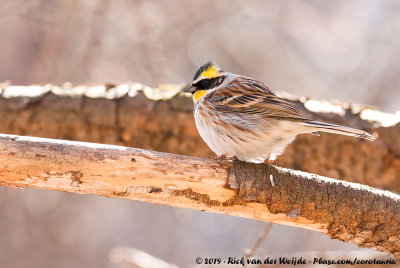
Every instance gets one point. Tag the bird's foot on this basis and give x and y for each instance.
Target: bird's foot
(270, 162)
(267, 161)
(225, 157)
(221, 158)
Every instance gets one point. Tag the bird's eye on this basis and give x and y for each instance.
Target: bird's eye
(205, 83)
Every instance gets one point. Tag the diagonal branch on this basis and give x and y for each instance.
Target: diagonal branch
(347, 211)
(135, 115)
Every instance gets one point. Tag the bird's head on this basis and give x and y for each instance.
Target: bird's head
(206, 80)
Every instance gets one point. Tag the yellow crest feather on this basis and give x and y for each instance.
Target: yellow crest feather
(210, 72)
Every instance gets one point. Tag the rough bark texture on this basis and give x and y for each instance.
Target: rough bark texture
(349, 212)
(161, 119)
(346, 211)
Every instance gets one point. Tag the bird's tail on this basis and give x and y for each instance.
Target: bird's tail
(336, 129)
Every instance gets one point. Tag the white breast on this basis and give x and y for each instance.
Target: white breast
(267, 138)
(269, 141)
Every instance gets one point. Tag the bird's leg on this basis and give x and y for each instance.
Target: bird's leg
(221, 158)
(270, 162)
(224, 157)
(267, 160)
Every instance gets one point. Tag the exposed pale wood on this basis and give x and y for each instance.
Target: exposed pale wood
(161, 119)
(343, 210)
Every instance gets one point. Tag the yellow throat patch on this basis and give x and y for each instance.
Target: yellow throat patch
(198, 94)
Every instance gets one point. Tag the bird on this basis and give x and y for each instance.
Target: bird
(238, 116)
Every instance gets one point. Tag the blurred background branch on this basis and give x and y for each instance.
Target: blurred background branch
(138, 116)
(346, 50)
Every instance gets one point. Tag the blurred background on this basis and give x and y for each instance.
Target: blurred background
(345, 50)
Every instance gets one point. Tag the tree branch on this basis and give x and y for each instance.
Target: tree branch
(138, 116)
(350, 212)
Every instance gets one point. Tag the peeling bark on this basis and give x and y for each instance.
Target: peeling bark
(347, 211)
(138, 116)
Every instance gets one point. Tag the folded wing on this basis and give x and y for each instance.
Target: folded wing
(245, 95)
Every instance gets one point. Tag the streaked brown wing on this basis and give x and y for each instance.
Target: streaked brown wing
(245, 95)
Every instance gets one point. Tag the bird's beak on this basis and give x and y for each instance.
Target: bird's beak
(189, 89)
